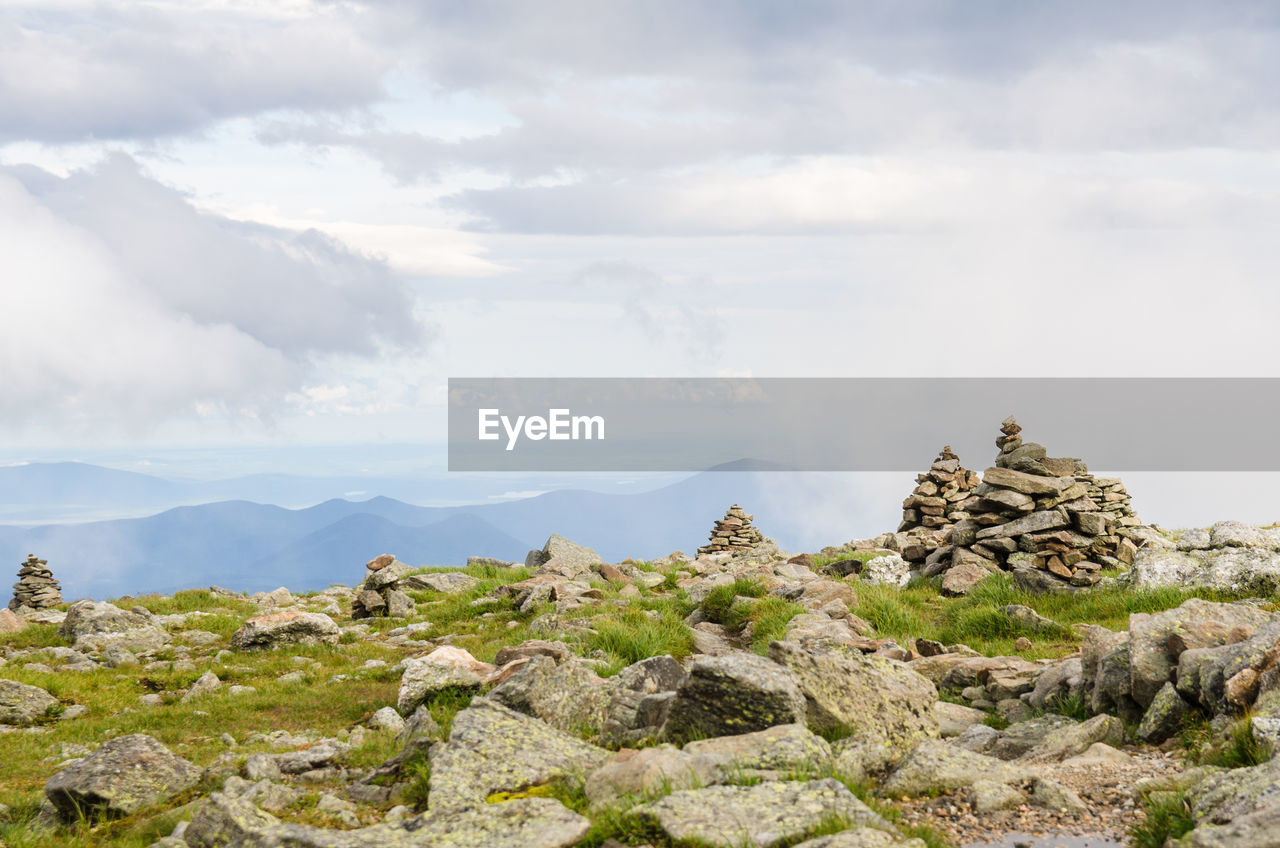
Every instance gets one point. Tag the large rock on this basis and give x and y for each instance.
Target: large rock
(125, 775)
(288, 627)
(891, 570)
(1237, 808)
(563, 557)
(937, 766)
(959, 579)
(97, 624)
(732, 694)
(1228, 678)
(1076, 739)
(759, 816)
(23, 705)
(1163, 719)
(1057, 682)
(223, 821)
(11, 622)
(871, 696)
(1156, 640)
(1232, 569)
(448, 582)
(444, 668)
(639, 703)
(649, 772)
(1020, 737)
(569, 696)
(786, 747)
(493, 749)
(954, 719)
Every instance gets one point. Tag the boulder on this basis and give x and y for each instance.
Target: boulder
(937, 766)
(872, 696)
(639, 703)
(1076, 738)
(448, 582)
(891, 570)
(522, 823)
(954, 719)
(23, 705)
(1236, 808)
(649, 772)
(1243, 570)
(959, 579)
(1020, 737)
(732, 694)
(288, 627)
(11, 622)
(989, 796)
(760, 816)
(1163, 719)
(569, 696)
(1056, 683)
(125, 775)
(444, 668)
(533, 648)
(494, 749)
(785, 747)
(563, 557)
(1157, 639)
(97, 624)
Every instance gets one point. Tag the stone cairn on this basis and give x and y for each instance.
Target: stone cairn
(380, 593)
(734, 532)
(942, 496)
(1045, 512)
(36, 588)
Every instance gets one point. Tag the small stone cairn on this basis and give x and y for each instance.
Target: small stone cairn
(942, 496)
(36, 588)
(734, 532)
(1042, 511)
(380, 593)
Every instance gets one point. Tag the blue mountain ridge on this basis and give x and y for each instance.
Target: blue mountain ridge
(251, 546)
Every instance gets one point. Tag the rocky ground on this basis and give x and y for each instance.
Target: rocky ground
(739, 698)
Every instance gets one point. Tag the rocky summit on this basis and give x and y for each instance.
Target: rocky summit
(745, 697)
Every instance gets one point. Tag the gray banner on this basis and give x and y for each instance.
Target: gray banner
(857, 424)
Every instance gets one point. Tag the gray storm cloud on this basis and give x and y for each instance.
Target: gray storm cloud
(123, 302)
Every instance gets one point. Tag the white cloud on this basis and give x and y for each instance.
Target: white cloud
(122, 306)
(119, 70)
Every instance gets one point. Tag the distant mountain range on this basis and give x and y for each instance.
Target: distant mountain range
(60, 492)
(253, 546)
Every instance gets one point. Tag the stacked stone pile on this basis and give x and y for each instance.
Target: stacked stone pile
(734, 532)
(942, 496)
(1112, 499)
(380, 593)
(36, 588)
(1038, 512)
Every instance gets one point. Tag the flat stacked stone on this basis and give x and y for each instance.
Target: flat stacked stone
(942, 496)
(734, 532)
(36, 588)
(1048, 510)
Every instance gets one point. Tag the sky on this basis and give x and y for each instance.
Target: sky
(226, 222)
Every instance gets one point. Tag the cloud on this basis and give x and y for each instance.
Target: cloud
(118, 70)
(122, 303)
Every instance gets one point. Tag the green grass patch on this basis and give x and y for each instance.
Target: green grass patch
(635, 634)
(719, 605)
(1239, 750)
(1168, 818)
(769, 619)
